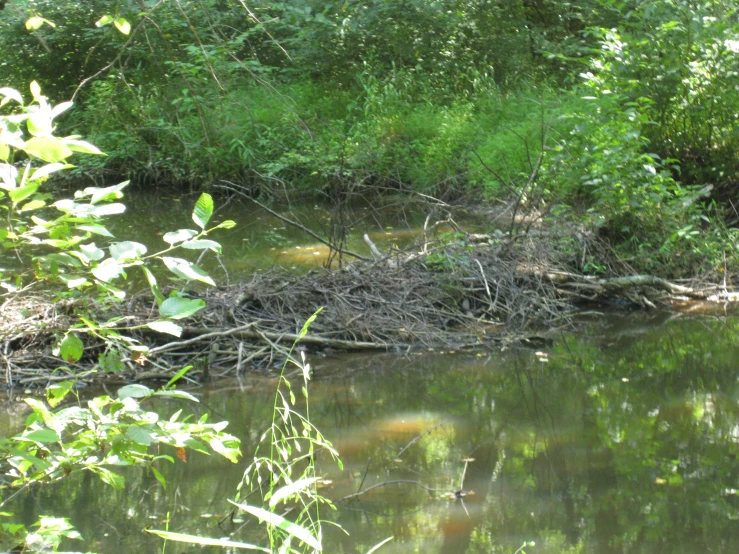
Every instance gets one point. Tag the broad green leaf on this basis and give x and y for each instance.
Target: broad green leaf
(284, 493)
(108, 270)
(33, 460)
(286, 525)
(49, 149)
(127, 251)
(202, 244)
(8, 176)
(159, 477)
(113, 479)
(32, 205)
(105, 20)
(167, 327)
(110, 289)
(187, 270)
(71, 348)
(134, 391)
(82, 146)
(4, 152)
(178, 308)
(180, 235)
(203, 210)
(19, 195)
(139, 435)
(39, 435)
(39, 123)
(95, 229)
(205, 541)
(122, 25)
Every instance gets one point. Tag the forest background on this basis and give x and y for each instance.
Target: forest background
(616, 116)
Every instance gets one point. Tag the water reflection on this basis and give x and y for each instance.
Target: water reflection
(621, 440)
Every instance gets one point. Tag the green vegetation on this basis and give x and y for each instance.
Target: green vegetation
(624, 111)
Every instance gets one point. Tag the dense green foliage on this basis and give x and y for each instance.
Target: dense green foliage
(628, 104)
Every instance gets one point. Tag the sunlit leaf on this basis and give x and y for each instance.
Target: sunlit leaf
(11, 94)
(139, 435)
(42, 436)
(56, 392)
(202, 244)
(286, 525)
(127, 250)
(178, 308)
(32, 205)
(180, 235)
(287, 491)
(203, 210)
(228, 224)
(187, 270)
(34, 23)
(46, 170)
(49, 149)
(105, 20)
(134, 391)
(156, 291)
(95, 229)
(82, 147)
(71, 348)
(122, 25)
(108, 270)
(177, 394)
(204, 541)
(167, 327)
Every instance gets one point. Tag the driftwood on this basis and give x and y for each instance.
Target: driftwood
(480, 290)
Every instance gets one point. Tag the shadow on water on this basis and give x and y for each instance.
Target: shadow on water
(622, 438)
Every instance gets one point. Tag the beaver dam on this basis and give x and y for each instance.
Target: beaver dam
(474, 291)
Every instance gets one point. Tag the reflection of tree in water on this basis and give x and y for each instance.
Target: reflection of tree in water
(619, 443)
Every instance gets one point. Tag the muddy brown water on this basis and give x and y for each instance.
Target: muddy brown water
(619, 438)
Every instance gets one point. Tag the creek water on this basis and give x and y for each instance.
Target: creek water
(621, 437)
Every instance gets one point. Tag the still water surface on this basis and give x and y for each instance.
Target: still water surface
(620, 438)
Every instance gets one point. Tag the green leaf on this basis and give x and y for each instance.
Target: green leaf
(127, 251)
(20, 194)
(179, 236)
(57, 392)
(39, 435)
(286, 525)
(187, 270)
(307, 324)
(32, 205)
(203, 210)
(177, 307)
(49, 149)
(4, 152)
(202, 245)
(284, 493)
(122, 25)
(34, 23)
(105, 20)
(113, 479)
(176, 394)
(105, 194)
(165, 327)
(71, 348)
(205, 541)
(139, 435)
(178, 376)
(108, 270)
(155, 290)
(228, 224)
(11, 94)
(159, 477)
(35, 90)
(95, 229)
(134, 391)
(47, 170)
